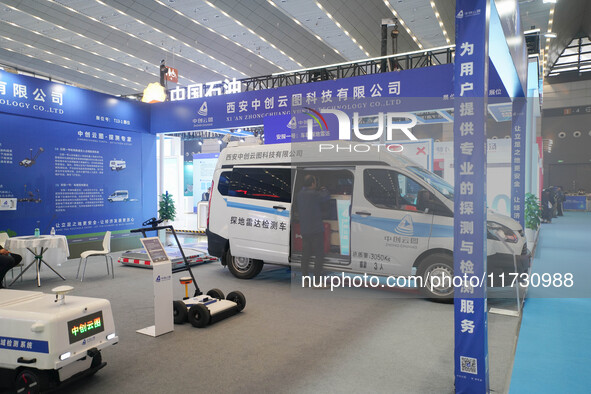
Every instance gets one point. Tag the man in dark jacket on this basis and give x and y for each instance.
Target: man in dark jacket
(560, 198)
(311, 205)
(7, 262)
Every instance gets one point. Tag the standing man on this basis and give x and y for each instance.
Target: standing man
(311, 205)
(7, 262)
(560, 199)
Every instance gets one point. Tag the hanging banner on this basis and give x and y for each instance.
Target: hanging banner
(518, 160)
(470, 90)
(187, 110)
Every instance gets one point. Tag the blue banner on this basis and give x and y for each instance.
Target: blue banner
(78, 179)
(38, 98)
(252, 107)
(79, 161)
(470, 111)
(575, 203)
(343, 209)
(24, 345)
(518, 160)
(278, 128)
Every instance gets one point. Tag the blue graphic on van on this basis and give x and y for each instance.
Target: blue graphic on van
(257, 208)
(442, 231)
(419, 229)
(405, 227)
(386, 224)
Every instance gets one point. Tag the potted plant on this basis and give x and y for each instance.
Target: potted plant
(166, 212)
(166, 209)
(533, 216)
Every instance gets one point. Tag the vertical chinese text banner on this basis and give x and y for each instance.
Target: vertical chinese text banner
(470, 89)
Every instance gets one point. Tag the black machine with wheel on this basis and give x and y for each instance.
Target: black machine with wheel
(201, 309)
(154, 226)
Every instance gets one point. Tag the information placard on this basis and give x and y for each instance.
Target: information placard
(162, 282)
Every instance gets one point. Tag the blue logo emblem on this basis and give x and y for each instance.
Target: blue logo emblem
(405, 227)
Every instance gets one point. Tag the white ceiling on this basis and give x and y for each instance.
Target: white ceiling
(115, 46)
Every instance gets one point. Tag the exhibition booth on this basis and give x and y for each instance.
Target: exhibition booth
(82, 163)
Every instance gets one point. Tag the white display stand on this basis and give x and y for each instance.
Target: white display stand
(162, 282)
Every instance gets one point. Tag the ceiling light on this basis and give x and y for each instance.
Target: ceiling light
(220, 34)
(252, 32)
(342, 28)
(549, 1)
(550, 35)
(94, 53)
(184, 45)
(532, 31)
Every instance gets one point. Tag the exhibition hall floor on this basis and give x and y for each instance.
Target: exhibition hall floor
(285, 340)
(555, 340)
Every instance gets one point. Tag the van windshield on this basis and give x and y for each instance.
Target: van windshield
(437, 182)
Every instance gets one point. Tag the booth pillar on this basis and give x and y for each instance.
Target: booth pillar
(470, 112)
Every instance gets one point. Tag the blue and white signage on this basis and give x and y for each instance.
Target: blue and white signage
(203, 169)
(24, 345)
(470, 89)
(518, 160)
(76, 159)
(38, 98)
(251, 108)
(77, 179)
(343, 209)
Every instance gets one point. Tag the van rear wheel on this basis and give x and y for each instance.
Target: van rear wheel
(437, 273)
(243, 267)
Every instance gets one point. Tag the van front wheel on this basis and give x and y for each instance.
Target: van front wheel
(437, 273)
(243, 267)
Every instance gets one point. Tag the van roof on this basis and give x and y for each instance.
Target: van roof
(325, 152)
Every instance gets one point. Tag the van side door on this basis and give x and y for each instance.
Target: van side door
(259, 207)
(389, 227)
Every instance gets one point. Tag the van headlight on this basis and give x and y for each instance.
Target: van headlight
(499, 232)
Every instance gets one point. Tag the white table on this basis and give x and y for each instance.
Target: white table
(38, 246)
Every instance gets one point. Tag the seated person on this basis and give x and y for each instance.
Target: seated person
(7, 262)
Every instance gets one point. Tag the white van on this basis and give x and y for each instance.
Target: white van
(119, 195)
(387, 215)
(117, 165)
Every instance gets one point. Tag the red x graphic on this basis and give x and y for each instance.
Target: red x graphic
(421, 150)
